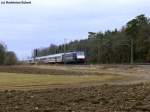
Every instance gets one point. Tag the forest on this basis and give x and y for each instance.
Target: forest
(130, 44)
(7, 57)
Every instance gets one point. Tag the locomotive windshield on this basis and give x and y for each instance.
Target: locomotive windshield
(80, 53)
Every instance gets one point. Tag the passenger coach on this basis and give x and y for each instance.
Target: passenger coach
(69, 57)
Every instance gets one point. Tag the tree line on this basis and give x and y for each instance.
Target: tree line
(7, 57)
(129, 44)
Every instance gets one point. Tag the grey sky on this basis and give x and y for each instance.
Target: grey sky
(25, 27)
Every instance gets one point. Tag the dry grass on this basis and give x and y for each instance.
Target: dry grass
(18, 80)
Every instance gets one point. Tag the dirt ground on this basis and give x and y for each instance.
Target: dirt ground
(104, 98)
(126, 95)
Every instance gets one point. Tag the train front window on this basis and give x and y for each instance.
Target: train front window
(80, 53)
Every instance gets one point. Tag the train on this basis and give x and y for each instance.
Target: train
(62, 58)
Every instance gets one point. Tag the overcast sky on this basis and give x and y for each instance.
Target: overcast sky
(25, 27)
